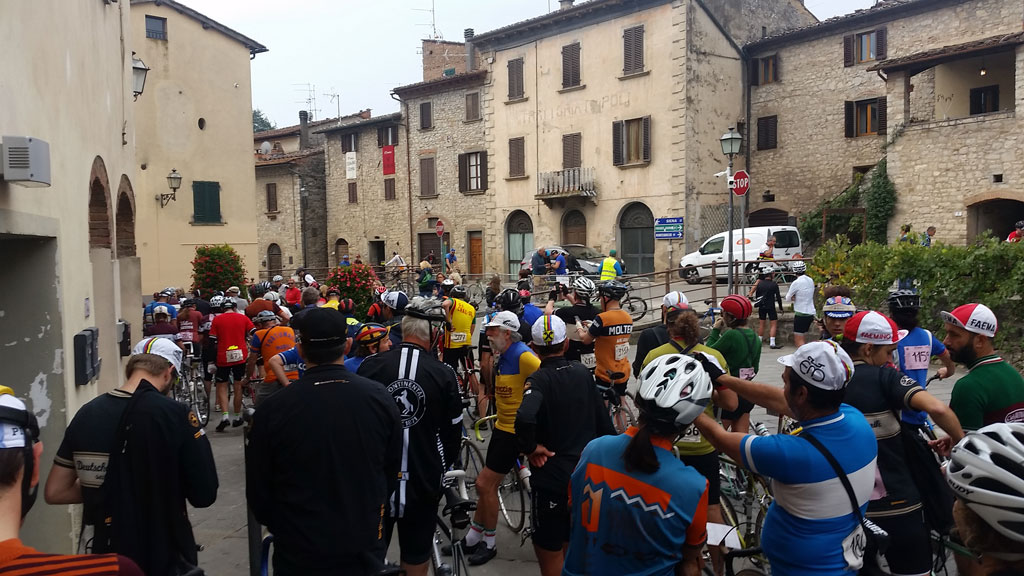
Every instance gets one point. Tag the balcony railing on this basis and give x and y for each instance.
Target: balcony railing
(567, 183)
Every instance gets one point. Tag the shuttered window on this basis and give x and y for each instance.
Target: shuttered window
(767, 132)
(473, 172)
(387, 136)
(517, 157)
(571, 65)
(272, 197)
(349, 142)
(426, 116)
(631, 141)
(389, 189)
(516, 89)
(353, 194)
(206, 202)
(866, 117)
(472, 106)
(428, 185)
(865, 47)
(572, 150)
(633, 50)
(764, 70)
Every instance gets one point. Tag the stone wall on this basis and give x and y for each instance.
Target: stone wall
(282, 227)
(749, 20)
(441, 55)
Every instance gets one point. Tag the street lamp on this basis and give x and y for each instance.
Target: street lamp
(173, 182)
(731, 142)
(139, 71)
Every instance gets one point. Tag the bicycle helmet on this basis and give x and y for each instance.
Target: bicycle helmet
(229, 303)
(278, 278)
(986, 471)
(584, 287)
(217, 302)
(380, 291)
(167, 292)
(264, 316)
(766, 269)
(371, 333)
(459, 291)
(904, 300)
(188, 303)
(272, 296)
(674, 388)
(799, 267)
(1019, 225)
(427, 309)
(260, 288)
(737, 306)
(509, 300)
(333, 291)
(525, 294)
(613, 289)
(346, 306)
(396, 300)
(447, 284)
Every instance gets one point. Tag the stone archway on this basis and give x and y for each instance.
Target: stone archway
(340, 249)
(636, 238)
(124, 219)
(574, 228)
(274, 264)
(100, 216)
(995, 214)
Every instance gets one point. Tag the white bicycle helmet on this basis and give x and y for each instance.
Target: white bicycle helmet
(217, 301)
(799, 266)
(272, 296)
(678, 383)
(986, 471)
(585, 287)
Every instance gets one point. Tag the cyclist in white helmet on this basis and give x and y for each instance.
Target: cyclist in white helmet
(581, 310)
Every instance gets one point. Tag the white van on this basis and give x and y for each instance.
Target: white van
(696, 266)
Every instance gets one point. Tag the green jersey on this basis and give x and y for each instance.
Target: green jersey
(741, 348)
(992, 391)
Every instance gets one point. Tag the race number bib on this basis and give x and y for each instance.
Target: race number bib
(234, 355)
(621, 351)
(747, 373)
(588, 360)
(853, 548)
(691, 436)
(458, 337)
(917, 357)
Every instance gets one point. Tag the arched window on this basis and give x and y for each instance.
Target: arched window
(518, 238)
(99, 206)
(273, 260)
(125, 219)
(340, 249)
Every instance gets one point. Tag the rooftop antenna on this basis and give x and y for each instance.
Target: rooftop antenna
(435, 35)
(335, 97)
(309, 100)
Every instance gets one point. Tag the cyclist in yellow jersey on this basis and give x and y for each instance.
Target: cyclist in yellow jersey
(458, 349)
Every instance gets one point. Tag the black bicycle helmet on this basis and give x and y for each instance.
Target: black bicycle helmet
(260, 288)
(427, 309)
(188, 302)
(904, 300)
(509, 300)
(229, 303)
(1019, 225)
(459, 291)
(613, 289)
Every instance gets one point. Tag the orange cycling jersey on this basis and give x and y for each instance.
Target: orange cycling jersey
(611, 331)
(269, 343)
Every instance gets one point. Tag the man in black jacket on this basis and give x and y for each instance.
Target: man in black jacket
(427, 396)
(133, 456)
(561, 412)
(322, 457)
(656, 336)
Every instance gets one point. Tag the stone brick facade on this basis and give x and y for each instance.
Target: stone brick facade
(441, 55)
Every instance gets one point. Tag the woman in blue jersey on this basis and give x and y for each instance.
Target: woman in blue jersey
(636, 509)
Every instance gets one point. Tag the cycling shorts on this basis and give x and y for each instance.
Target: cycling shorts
(707, 465)
(802, 323)
(237, 372)
(619, 388)
(456, 357)
(768, 313)
(415, 531)
(550, 519)
(910, 546)
(209, 369)
(502, 452)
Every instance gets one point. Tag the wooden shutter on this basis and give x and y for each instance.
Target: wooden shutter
(633, 50)
(851, 118)
(571, 153)
(646, 138)
(426, 119)
(883, 112)
(427, 184)
(483, 170)
(617, 143)
(775, 68)
(380, 137)
(515, 79)
(463, 172)
(389, 189)
(517, 157)
(206, 202)
(571, 65)
(473, 106)
(881, 45)
(754, 71)
(353, 193)
(272, 197)
(849, 50)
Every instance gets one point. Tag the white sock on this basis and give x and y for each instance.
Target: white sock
(475, 534)
(489, 538)
(772, 343)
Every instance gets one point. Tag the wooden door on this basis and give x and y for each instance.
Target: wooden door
(476, 253)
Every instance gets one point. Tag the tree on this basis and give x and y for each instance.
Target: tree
(217, 268)
(260, 122)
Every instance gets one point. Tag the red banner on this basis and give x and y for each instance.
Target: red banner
(388, 157)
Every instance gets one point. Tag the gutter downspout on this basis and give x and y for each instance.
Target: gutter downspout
(408, 171)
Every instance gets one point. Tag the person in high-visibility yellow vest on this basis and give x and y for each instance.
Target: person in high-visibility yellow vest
(610, 267)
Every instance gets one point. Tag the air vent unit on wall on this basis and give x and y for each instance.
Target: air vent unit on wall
(25, 161)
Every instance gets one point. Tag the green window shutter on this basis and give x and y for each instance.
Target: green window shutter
(206, 202)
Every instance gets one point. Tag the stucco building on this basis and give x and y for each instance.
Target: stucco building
(68, 249)
(930, 85)
(197, 121)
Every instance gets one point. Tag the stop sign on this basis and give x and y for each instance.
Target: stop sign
(439, 228)
(740, 183)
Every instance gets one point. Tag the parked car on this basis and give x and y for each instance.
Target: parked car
(579, 258)
(696, 266)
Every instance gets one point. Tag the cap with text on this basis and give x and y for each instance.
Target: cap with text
(821, 364)
(11, 435)
(839, 307)
(872, 327)
(548, 330)
(504, 319)
(976, 318)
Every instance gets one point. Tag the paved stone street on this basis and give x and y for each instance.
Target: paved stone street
(221, 529)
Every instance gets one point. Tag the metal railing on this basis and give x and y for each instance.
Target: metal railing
(568, 182)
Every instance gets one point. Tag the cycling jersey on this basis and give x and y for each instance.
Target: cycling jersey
(16, 558)
(147, 313)
(741, 347)
(611, 331)
(230, 330)
(912, 356)
(514, 366)
(801, 294)
(578, 351)
(259, 305)
(629, 522)
(811, 516)
(691, 442)
(332, 304)
(161, 329)
(531, 313)
(270, 342)
(462, 317)
(293, 363)
(188, 326)
(991, 391)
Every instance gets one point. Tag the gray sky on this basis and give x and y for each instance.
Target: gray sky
(361, 49)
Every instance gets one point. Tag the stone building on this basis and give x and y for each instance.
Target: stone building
(68, 234)
(929, 85)
(448, 167)
(368, 194)
(602, 116)
(198, 122)
(443, 58)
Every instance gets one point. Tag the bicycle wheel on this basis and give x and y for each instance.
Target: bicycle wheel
(200, 400)
(512, 500)
(472, 460)
(635, 307)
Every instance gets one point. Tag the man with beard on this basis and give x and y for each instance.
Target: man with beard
(992, 390)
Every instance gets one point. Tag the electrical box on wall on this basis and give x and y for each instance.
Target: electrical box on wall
(25, 161)
(87, 356)
(124, 334)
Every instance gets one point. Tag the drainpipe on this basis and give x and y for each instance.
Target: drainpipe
(408, 169)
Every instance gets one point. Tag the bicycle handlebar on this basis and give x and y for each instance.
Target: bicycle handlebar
(478, 423)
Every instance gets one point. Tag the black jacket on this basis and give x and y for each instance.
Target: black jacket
(427, 396)
(649, 339)
(585, 312)
(562, 410)
(322, 457)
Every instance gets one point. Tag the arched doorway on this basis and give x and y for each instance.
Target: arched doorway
(125, 219)
(768, 217)
(99, 206)
(518, 238)
(636, 238)
(340, 249)
(273, 260)
(574, 228)
(997, 215)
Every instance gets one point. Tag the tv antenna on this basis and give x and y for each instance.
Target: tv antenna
(335, 97)
(310, 100)
(435, 35)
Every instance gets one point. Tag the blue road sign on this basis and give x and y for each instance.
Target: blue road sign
(667, 235)
(665, 221)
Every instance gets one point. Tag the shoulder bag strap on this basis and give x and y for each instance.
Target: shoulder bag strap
(680, 348)
(838, 470)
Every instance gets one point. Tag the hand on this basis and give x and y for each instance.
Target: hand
(719, 323)
(710, 366)
(943, 446)
(539, 456)
(942, 373)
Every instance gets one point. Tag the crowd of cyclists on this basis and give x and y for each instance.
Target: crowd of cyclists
(356, 422)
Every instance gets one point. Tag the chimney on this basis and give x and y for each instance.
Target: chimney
(303, 129)
(564, 4)
(470, 55)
